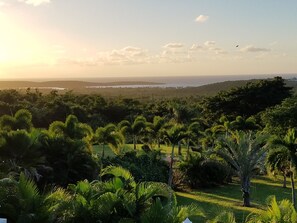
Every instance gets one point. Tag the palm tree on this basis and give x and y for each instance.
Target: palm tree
(20, 201)
(20, 151)
(191, 135)
(280, 212)
(243, 124)
(117, 199)
(108, 135)
(174, 135)
(72, 129)
(279, 160)
(70, 160)
(135, 129)
(210, 136)
(21, 120)
(244, 152)
(289, 143)
(155, 129)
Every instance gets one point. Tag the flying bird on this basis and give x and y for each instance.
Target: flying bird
(237, 45)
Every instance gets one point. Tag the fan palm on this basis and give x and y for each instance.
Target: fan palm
(20, 201)
(20, 151)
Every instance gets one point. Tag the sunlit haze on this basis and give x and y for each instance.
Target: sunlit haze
(116, 38)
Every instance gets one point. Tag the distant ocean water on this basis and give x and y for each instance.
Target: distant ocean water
(185, 81)
(170, 81)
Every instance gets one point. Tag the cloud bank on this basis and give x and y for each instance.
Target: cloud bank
(35, 2)
(253, 49)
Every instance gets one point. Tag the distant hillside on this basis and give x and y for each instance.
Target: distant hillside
(147, 91)
(70, 85)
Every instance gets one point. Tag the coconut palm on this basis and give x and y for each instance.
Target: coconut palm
(109, 135)
(245, 153)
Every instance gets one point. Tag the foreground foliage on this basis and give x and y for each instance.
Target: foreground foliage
(117, 198)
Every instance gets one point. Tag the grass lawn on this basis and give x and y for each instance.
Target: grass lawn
(129, 147)
(228, 197)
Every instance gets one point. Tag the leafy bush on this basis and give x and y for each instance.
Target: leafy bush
(143, 166)
(202, 172)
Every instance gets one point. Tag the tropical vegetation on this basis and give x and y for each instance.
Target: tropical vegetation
(83, 158)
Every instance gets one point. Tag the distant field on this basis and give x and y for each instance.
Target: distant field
(148, 92)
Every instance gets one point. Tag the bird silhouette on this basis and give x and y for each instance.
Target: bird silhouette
(237, 45)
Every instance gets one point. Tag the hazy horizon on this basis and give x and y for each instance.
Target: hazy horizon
(172, 81)
(110, 39)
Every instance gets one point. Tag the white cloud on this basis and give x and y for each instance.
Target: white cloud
(35, 2)
(195, 47)
(131, 49)
(202, 18)
(253, 49)
(174, 45)
(127, 55)
(210, 43)
(173, 52)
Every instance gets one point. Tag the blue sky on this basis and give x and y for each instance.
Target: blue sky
(108, 38)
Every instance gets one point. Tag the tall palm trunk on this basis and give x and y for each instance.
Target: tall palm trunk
(188, 150)
(134, 143)
(179, 148)
(170, 175)
(103, 152)
(245, 188)
(293, 189)
(285, 179)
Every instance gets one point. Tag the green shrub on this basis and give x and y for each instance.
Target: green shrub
(202, 172)
(143, 166)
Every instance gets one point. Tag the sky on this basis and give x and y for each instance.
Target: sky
(117, 38)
